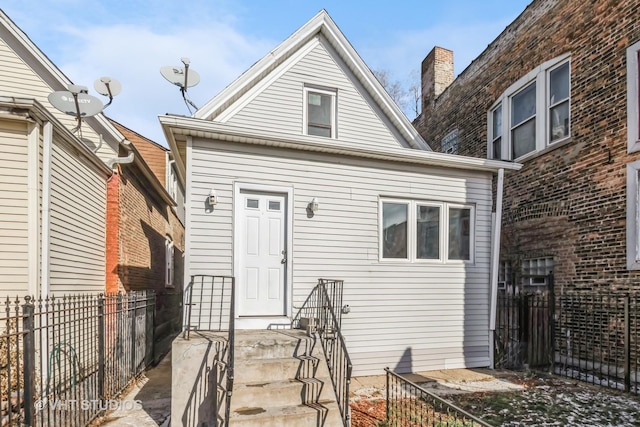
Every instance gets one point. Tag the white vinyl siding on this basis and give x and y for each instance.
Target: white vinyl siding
(415, 317)
(78, 218)
(13, 208)
(18, 79)
(279, 107)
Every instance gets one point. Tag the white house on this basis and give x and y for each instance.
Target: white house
(316, 173)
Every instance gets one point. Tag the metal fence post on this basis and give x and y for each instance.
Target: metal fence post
(101, 339)
(627, 345)
(133, 331)
(29, 363)
(552, 321)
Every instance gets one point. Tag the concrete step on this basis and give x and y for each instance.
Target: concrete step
(322, 414)
(279, 368)
(283, 392)
(274, 344)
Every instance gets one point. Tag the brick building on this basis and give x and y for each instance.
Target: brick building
(558, 92)
(145, 235)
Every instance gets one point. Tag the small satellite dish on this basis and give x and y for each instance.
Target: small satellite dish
(107, 86)
(180, 76)
(75, 104)
(183, 78)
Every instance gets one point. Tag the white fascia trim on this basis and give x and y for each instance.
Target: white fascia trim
(256, 90)
(633, 98)
(212, 130)
(239, 186)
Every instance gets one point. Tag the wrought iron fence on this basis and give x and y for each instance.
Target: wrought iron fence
(598, 340)
(585, 336)
(408, 404)
(322, 311)
(63, 357)
(210, 306)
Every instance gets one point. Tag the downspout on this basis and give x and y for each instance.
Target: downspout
(47, 142)
(122, 160)
(495, 265)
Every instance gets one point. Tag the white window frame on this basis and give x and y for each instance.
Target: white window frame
(633, 216)
(633, 98)
(443, 246)
(169, 269)
(539, 75)
(305, 107)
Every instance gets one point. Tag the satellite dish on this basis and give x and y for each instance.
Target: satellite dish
(180, 76)
(77, 104)
(183, 78)
(107, 86)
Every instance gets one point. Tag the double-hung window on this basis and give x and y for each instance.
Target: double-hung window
(320, 112)
(531, 114)
(422, 231)
(633, 98)
(168, 257)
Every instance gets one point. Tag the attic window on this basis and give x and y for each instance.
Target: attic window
(320, 112)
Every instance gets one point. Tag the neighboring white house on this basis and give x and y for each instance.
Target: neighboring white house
(316, 173)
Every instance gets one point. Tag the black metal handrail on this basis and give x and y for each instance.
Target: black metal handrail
(407, 402)
(329, 294)
(209, 299)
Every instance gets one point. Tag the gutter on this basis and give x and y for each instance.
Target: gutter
(495, 262)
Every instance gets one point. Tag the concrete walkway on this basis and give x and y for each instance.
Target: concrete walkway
(153, 392)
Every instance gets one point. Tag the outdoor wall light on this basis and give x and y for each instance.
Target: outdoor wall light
(314, 206)
(212, 199)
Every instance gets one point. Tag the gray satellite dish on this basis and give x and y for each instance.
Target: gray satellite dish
(77, 104)
(183, 78)
(108, 87)
(180, 76)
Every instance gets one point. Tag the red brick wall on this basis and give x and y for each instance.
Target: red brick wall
(113, 283)
(569, 202)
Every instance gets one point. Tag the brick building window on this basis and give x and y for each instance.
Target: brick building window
(633, 98)
(536, 271)
(633, 216)
(531, 114)
(168, 256)
(449, 143)
(320, 112)
(418, 231)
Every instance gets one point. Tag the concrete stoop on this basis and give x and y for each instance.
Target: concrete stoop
(281, 379)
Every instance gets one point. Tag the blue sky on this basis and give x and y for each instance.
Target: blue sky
(131, 40)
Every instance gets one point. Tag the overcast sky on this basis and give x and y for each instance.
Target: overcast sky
(131, 40)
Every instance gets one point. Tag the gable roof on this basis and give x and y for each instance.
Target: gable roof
(319, 24)
(51, 74)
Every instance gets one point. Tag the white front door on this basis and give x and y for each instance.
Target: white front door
(262, 251)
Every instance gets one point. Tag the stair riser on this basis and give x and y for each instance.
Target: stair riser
(269, 349)
(310, 418)
(291, 394)
(248, 371)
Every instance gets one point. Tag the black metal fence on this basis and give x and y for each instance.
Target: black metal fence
(64, 358)
(584, 336)
(323, 313)
(408, 404)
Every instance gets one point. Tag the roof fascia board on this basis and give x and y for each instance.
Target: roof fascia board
(41, 114)
(176, 125)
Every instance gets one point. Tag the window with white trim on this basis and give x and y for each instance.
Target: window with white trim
(531, 114)
(633, 98)
(320, 112)
(168, 257)
(422, 231)
(633, 216)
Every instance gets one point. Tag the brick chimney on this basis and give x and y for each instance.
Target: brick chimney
(437, 75)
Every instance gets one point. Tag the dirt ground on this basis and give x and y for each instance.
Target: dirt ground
(506, 398)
